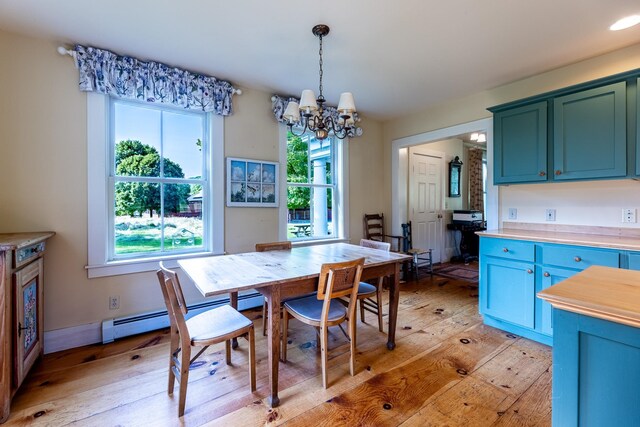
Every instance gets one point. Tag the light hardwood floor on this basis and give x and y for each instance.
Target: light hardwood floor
(447, 370)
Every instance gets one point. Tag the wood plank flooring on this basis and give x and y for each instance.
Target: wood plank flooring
(448, 369)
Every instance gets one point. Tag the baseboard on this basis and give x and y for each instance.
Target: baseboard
(75, 336)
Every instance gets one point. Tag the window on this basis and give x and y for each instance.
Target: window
(155, 184)
(314, 177)
(158, 180)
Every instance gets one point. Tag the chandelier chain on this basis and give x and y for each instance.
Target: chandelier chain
(320, 52)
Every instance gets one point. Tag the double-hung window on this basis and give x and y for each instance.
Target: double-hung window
(314, 181)
(151, 194)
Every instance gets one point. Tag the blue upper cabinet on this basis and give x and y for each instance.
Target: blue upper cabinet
(520, 144)
(637, 125)
(589, 134)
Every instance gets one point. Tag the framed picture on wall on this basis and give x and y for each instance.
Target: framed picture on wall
(252, 183)
(455, 169)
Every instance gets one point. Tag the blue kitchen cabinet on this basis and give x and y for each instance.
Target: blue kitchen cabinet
(513, 271)
(544, 314)
(509, 291)
(589, 134)
(520, 144)
(633, 261)
(595, 372)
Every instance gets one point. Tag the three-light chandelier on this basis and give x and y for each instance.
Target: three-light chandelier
(310, 112)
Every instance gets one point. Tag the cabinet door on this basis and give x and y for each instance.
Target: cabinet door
(507, 290)
(589, 134)
(550, 276)
(28, 321)
(520, 144)
(637, 128)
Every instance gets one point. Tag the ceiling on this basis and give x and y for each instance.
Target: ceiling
(396, 57)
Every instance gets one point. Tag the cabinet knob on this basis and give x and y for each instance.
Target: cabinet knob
(505, 250)
(542, 173)
(577, 259)
(558, 172)
(546, 274)
(529, 270)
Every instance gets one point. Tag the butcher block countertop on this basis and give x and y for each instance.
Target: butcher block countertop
(607, 293)
(11, 241)
(602, 237)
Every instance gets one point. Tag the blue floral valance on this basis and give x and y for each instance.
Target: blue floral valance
(105, 72)
(279, 104)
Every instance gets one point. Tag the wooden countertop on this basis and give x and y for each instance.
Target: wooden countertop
(603, 292)
(11, 241)
(624, 242)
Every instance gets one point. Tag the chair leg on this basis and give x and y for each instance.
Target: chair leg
(184, 379)
(431, 262)
(227, 346)
(252, 359)
(285, 327)
(352, 347)
(175, 343)
(379, 303)
(264, 318)
(361, 304)
(323, 350)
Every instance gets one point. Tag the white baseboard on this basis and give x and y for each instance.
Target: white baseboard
(75, 336)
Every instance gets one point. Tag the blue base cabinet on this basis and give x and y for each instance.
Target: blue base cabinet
(596, 372)
(513, 271)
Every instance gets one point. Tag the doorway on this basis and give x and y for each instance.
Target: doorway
(400, 160)
(425, 199)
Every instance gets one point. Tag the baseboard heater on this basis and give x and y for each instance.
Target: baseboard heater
(120, 327)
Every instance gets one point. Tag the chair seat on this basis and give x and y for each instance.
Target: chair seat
(366, 289)
(216, 323)
(311, 308)
(417, 251)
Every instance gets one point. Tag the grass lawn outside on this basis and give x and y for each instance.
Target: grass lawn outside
(143, 235)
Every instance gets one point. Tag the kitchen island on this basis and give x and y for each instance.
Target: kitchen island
(596, 347)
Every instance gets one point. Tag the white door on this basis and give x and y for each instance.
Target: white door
(425, 202)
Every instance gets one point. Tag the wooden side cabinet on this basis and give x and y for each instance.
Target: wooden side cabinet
(21, 310)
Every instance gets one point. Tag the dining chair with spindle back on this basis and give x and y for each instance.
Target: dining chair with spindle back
(367, 291)
(214, 326)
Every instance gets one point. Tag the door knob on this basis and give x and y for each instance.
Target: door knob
(542, 173)
(529, 270)
(558, 172)
(546, 274)
(577, 259)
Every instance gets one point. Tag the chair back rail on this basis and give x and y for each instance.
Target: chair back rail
(273, 246)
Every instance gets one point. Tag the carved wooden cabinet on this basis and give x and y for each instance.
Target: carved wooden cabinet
(21, 315)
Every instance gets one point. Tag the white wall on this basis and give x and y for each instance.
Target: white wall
(576, 203)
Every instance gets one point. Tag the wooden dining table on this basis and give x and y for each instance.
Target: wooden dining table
(287, 273)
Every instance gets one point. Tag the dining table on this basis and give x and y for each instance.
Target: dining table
(288, 273)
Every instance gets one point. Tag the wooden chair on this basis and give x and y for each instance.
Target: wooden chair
(211, 327)
(374, 230)
(265, 247)
(336, 280)
(367, 291)
(421, 257)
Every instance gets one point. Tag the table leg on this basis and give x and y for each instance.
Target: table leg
(233, 298)
(394, 296)
(273, 341)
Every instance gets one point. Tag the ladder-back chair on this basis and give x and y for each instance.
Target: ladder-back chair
(367, 291)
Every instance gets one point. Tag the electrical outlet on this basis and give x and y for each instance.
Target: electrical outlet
(629, 215)
(550, 214)
(513, 213)
(114, 303)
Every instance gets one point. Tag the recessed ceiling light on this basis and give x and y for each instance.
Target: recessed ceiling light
(625, 22)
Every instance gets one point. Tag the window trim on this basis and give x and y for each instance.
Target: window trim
(341, 189)
(98, 196)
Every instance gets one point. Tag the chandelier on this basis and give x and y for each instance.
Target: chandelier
(312, 109)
